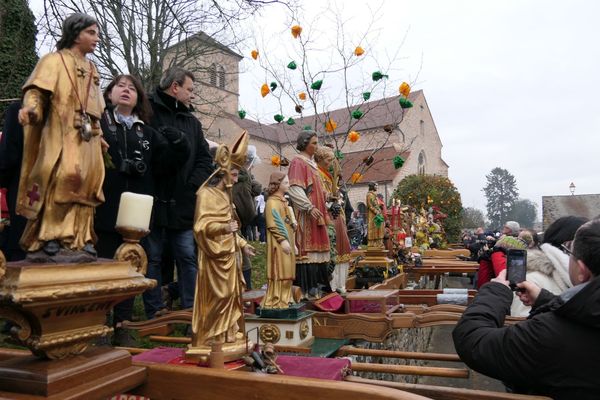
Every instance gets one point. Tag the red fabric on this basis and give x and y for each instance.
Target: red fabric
(333, 369)
(486, 273)
(498, 262)
(3, 205)
(162, 355)
(330, 303)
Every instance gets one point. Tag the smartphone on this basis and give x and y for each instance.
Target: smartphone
(516, 266)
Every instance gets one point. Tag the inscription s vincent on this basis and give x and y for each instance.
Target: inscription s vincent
(63, 311)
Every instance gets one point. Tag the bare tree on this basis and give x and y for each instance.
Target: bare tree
(315, 60)
(143, 37)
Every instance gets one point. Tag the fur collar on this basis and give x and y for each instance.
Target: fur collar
(552, 262)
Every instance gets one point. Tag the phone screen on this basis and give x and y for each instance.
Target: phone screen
(516, 266)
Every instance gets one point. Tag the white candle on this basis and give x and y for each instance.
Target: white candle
(135, 211)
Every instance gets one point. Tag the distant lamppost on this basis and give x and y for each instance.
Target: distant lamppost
(572, 188)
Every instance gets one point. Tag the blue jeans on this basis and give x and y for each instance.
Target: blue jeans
(183, 248)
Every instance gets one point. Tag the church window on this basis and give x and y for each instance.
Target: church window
(422, 128)
(212, 74)
(422, 161)
(221, 77)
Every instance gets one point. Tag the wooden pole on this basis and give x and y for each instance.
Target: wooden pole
(411, 370)
(345, 350)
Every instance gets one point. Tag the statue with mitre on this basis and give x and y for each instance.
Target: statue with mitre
(218, 311)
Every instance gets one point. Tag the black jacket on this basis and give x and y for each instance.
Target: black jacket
(554, 353)
(176, 195)
(244, 192)
(161, 156)
(11, 155)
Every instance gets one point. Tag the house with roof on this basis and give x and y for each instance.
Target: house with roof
(386, 130)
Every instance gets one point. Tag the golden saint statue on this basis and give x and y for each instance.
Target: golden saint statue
(375, 218)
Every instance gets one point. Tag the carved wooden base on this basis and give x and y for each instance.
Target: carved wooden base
(97, 373)
(296, 332)
(59, 308)
(231, 351)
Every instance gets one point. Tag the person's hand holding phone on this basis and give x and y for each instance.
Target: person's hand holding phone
(528, 292)
(501, 278)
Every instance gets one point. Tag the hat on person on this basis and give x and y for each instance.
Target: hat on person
(513, 226)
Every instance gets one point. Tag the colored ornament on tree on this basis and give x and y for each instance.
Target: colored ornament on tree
(307, 128)
(264, 90)
(377, 75)
(278, 117)
(405, 103)
(254, 54)
(284, 162)
(292, 65)
(366, 96)
(368, 160)
(316, 85)
(353, 136)
(357, 114)
(298, 108)
(356, 177)
(404, 89)
(290, 121)
(296, 31)
(359, 51)
(330, 125)
(242, 114)
(275, 160)
(302, 96)
(398, 162)
(273, 86)
(339, 155)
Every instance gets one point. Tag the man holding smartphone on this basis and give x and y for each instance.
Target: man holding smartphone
(556, 351)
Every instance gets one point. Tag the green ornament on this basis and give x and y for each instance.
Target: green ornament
(242, 114)
(273, 86)
(339, 155)
(378, 220)
(316, 85)
(278, 117)
(377, 75)
(405, 103)
(366, 95)
(398, 162)
(290, 121)
(357, 114)
(292, 65)
(307, 128)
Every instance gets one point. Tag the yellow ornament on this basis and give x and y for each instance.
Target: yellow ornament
(302, 96)
(353, 136)
(264, 90)
(405, 89)
(254, 54)
(296, 31)
(359, 51)
(330, 125)
(356, 177)
(275, 160)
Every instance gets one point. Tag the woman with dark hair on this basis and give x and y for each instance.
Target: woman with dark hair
(62, 173)
(308, 198)
(548, 264)
(139, 154)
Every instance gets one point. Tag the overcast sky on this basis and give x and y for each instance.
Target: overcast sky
(512, 83)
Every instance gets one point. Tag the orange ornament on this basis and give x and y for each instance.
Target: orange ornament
(254, 54)
(359, 51)
(296, 31)
(353, 136)
(264, 90)
(330, 125)
(356, 177)
(276, 160)
(404, 89)
(302, 96)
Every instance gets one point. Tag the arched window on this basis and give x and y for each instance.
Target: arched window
(212, 74)
(422, 162)
(221, 74)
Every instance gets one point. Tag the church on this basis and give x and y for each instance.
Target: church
(386, 130)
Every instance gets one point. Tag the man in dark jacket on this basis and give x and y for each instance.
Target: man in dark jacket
(556, 351)
(176, 195)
